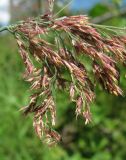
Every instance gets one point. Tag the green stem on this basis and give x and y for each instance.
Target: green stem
(10, 27)
(3, 29)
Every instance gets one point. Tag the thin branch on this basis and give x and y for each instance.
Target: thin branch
(108, 27)
(109, 16)
(63, 8)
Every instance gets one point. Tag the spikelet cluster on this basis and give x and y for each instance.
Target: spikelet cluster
(45, 62)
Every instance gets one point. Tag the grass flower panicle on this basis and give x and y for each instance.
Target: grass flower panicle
(45, 60)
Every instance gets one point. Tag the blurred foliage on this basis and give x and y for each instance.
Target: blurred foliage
(103, 139)
(98, 9)
(117, 2)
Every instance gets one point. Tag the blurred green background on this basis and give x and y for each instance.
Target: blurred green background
(103, 139)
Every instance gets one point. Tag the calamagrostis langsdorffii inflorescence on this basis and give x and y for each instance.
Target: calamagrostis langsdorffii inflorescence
(45, 59)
